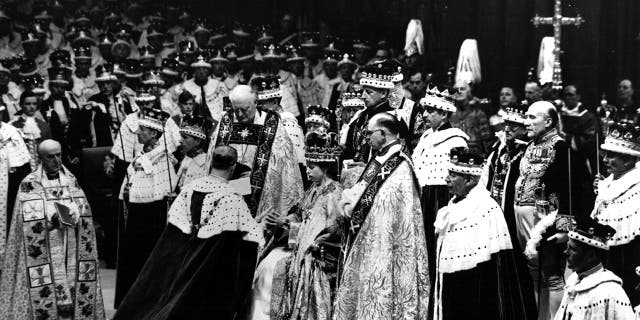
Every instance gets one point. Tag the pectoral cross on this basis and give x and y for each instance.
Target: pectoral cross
(557, 21)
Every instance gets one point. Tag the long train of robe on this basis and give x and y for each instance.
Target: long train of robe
(198, 271)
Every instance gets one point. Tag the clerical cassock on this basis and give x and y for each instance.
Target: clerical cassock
(51, 272)
(203, 264)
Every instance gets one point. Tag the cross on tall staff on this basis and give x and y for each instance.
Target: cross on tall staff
(557, 21)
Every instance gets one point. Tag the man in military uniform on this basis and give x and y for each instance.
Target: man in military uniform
(543, 204)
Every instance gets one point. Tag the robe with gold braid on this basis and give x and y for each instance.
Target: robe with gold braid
(51, 274)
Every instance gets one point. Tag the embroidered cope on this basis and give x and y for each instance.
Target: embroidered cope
(51, 273)
(385, 274)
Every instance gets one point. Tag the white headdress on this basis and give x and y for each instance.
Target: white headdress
(414, 40)
(545, 60)
(468, 66)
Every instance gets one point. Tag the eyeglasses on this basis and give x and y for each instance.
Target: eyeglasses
(368, 133)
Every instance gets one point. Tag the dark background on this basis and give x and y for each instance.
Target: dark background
(604, 50)
(596, 55)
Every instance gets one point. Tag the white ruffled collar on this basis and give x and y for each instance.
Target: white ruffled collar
(30, 128)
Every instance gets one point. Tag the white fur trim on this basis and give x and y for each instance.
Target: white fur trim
(621, 146)
(376, 83)
(269, 94)
(592, 242)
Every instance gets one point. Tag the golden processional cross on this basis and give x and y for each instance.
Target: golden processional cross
(557, 21)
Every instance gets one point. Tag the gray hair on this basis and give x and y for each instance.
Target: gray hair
(242, 94)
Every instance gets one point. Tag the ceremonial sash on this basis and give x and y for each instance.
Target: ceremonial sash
(261, 135)
(375, 174)
(49, 295)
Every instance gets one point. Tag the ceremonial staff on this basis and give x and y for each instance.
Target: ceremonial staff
(603, 105)
(570, 193)
(124, 156)
(126, 173)
(166, 150)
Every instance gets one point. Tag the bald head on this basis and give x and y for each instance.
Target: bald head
(382, 129)
(542, 117)
(386, 121)
(49, 146)
(224, 157)
(50, 152)
(243, 102)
